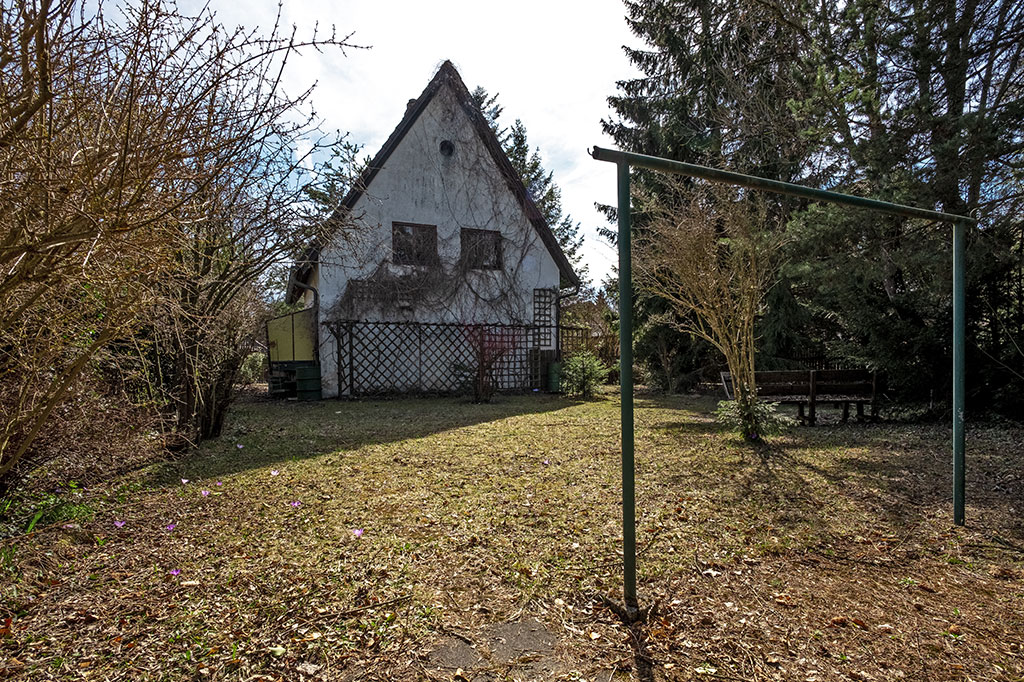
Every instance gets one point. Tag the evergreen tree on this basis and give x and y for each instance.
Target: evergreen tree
(489, 107)
(334, 179)
(918, 102)
(716, 77)
(545, 193)
(914, 101)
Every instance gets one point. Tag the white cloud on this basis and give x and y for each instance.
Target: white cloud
(553, 64)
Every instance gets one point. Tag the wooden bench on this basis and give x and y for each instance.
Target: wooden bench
(840, 387)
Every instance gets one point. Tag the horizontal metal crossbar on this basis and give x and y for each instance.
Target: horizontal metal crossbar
(755, 182)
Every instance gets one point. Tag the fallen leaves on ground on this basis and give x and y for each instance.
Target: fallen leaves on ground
(346, 541)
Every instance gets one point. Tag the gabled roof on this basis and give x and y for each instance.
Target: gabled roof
(446, 75)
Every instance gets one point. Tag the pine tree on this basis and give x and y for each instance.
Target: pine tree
(917, 102)
(489, 107)
(334, 179)
(716, 79)
(913, 101)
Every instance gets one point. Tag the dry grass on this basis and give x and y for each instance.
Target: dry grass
(829, 555)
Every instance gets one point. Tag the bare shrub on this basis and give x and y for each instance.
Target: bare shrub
(148, 169)
(711, 252)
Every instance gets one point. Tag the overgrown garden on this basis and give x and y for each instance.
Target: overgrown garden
(154, 196)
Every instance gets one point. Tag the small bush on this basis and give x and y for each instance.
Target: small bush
(474, 380)
(582, 374)
(758, 420)
(253, 369)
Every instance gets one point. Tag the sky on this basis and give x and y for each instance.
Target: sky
(553, 63)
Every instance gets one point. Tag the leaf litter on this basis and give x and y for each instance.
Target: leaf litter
(425, 524)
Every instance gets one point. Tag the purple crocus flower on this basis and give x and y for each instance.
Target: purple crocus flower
(119, 524)
(184, 481)
(219, 484)
(171, 526)
(296, 504)
(240, 446)
(175, 571)
(205, 493)
(358, 532)
(274, 472)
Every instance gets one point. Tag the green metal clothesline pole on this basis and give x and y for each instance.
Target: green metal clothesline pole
(624, 161)
(959, 385)
(626, 395)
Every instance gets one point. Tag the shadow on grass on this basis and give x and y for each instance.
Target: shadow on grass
(263, 433)
(902, 478)
(685, 401)
(898, 474)
(691, 428)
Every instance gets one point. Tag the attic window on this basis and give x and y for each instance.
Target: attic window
(447, 148)
(481, 249)
(413, 244)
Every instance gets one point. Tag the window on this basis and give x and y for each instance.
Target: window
(413, 244)
(481, 249)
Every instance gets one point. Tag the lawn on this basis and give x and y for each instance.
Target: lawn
(441, 540)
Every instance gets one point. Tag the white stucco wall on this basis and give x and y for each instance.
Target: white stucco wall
(420, 185)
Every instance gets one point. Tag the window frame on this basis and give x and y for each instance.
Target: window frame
(420, 256)
(473, 233)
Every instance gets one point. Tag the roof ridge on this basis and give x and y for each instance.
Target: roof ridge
(447, 74)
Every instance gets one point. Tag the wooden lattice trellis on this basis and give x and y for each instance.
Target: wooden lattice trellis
(381, 358)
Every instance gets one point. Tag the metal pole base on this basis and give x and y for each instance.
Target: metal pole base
(627, 613)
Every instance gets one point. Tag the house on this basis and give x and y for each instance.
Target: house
(444, 270)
